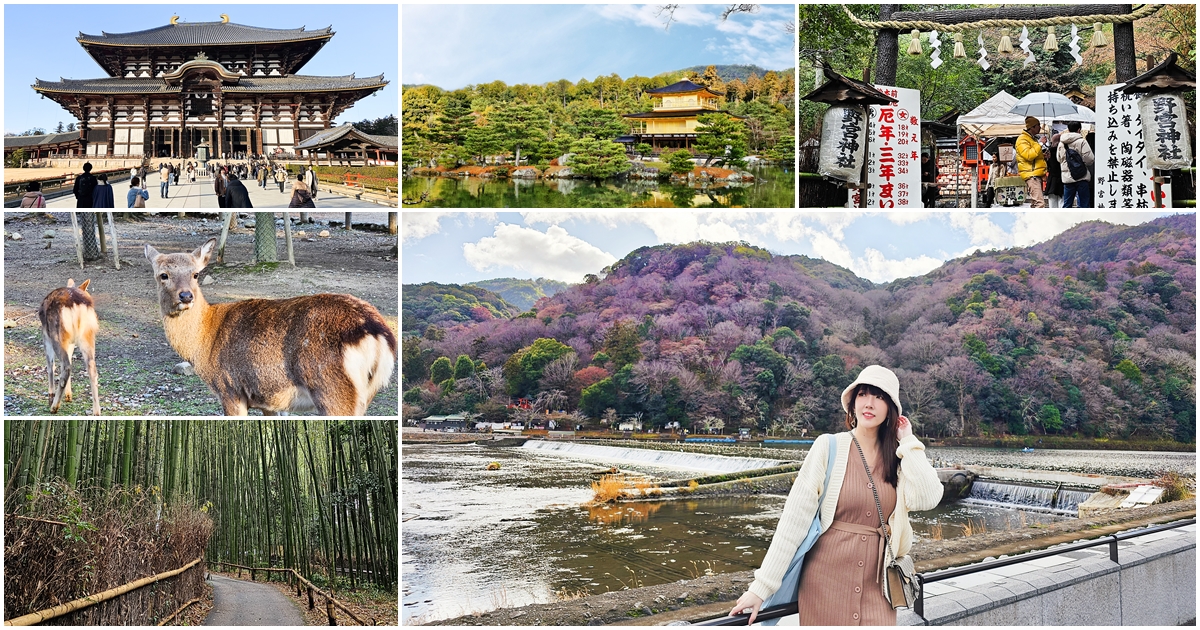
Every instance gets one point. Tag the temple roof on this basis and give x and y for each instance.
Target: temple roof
(49, 138)
(331, 135)
(684, 86)
(679, 113)
(202, 33)
(287, 83)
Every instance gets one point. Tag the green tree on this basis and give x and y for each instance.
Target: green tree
(483, 141)
(523, 369)
(642, 149)
(17, 158)
(412, 360)
(722, 137)
(521, 126)
(455, 120)
(604, 124)
(621, 344)
(464, 367)
(597, 158)
(599, 396)
(784, 152)
(1050, 418)
(1130, 370)
(441, 370)
(679, 162)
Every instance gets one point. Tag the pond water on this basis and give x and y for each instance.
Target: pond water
(477, 540)
(773, 188)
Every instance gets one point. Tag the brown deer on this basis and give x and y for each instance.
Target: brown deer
(69, 319)
(328, 352)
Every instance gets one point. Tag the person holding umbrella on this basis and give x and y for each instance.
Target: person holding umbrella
(1031, 163)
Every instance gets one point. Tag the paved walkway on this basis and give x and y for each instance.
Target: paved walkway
(201, 195)
(244, 603)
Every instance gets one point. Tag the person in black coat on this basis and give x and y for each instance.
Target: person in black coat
(85, 185)
(236, 195)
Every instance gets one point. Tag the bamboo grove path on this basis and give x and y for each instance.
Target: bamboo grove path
(241, 603)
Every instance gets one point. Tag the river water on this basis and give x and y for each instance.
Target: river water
(475, 540)
(774, 188)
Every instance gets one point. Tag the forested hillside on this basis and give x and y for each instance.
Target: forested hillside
(449, 304)
(1091, 333)
(522, 292)
(545, 121)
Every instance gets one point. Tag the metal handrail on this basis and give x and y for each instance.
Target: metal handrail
(783, 610)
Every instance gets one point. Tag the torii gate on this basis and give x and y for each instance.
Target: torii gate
(891, 19)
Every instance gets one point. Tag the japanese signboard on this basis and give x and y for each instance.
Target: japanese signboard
(1122, 172)
(894, 152)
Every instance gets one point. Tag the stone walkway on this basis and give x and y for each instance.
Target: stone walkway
(201, 195)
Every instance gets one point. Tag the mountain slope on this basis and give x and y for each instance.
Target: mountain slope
(522, 292)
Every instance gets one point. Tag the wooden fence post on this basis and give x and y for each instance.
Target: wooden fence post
(310, 598)
(329, 611)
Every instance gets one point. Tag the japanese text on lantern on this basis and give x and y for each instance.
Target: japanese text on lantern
(1168, 136)
(848, 145)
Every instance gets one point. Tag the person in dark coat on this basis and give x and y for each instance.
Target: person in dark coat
(236, 195)
(929, 177)
(85, 184)
(1054, 182)
(219, 185)
(301, 198)
(102, 196)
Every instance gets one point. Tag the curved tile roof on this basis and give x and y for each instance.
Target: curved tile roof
(203, 33)
(289, 83)
(329, 135)
(49, 138)
(107, 86)
(683, 87)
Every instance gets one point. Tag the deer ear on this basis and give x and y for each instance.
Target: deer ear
(84, 285)
(204, 253)
(70, 282)
(151, 253)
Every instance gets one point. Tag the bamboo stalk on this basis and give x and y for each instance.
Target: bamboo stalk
(172, 615)
(30, 518)
(91, 600)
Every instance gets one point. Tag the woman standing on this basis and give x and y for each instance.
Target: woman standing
(880, 468)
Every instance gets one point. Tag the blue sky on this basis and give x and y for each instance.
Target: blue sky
(39, 42)
(462, 247)
(452, 46)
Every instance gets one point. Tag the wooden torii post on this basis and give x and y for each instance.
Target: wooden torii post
(888, 47)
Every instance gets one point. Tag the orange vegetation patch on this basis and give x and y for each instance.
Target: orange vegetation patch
(473, 171)
(713, 172)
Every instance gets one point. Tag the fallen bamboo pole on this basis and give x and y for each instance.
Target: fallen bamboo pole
(172, 615)
(91, 600)
(36, 520)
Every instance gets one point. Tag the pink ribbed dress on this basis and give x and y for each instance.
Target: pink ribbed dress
(838, 586)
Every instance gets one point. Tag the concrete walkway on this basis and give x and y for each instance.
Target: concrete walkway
(201, 195)
(244, 603)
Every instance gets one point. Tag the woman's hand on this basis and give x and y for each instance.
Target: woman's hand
(747, 602)
(903, 428)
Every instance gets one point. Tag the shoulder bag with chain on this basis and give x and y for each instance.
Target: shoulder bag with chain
(898, 585)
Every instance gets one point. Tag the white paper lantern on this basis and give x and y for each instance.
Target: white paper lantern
(1165, 131)
(843, 143)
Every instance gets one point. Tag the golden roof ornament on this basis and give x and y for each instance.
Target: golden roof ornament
(174, 20)
(224, 19)
(201, 56)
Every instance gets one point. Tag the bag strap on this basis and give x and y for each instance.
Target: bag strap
(878, 508)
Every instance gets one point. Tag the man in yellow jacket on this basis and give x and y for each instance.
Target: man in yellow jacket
(1031, 164)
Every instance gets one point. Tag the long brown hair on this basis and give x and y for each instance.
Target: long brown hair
(887, 441)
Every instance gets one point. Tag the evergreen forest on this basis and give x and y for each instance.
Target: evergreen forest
(1091, 334)
(539, 123)
(94, 504)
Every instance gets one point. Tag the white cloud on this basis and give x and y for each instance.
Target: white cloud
(981, 231)
(876, 267)
(668, 227)
(418, 225)
(904, 218)
(650, 15)
(551, 254)
(1032, 227)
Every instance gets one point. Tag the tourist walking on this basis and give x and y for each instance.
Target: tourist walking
(280, 177)
(164, 186)
(136, 197)
(102, 196)
(1077, 161)
(262, 176)
(33, 196)
(236, 195)
(175, 172)
(219, 185)
(301, 197)
(84, 185)
(879, 475)
(310, 178)
(1031, 164)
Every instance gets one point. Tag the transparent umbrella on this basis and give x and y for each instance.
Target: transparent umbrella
(1044, 105)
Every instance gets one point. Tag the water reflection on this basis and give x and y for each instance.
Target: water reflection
(616, 514)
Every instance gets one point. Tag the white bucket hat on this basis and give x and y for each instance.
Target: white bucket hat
(880, 377)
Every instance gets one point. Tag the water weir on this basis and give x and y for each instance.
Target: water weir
(666, 459)
(1054, 499)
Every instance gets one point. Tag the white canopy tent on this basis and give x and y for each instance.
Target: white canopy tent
(992, 118)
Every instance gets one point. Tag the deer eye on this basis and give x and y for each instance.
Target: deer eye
(195, 276)
(163, 276)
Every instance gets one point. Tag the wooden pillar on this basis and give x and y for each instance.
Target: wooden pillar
(296, 121)
(887, 45)
(1124, 52)
(83, 129)
(146, 140)
(112, 124)
(221, 123)
(328, 114)
(258, 125)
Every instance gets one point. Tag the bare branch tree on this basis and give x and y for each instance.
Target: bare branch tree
(738, 8)
(669, 10)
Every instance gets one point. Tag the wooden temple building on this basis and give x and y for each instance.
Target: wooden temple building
(347, 145)
(672, 123)
(226, 88)
(65, 144)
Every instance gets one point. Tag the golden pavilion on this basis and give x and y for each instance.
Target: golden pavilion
(672, 123)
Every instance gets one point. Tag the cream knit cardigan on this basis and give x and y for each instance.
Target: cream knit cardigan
(918, 489)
